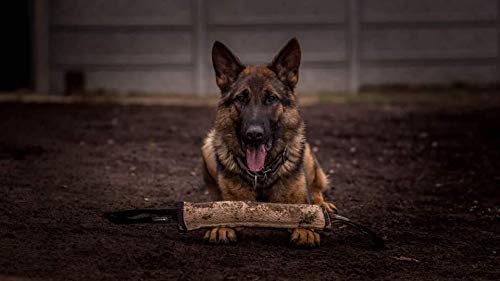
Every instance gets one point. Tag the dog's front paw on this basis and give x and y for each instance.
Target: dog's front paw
(220, 235)
(304, 238)
(328, 206)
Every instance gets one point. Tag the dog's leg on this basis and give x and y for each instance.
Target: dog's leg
(221, 235)
(210, 167)
(216, 235)
(293, 191)
(230, 190)
(305, 238)
(316, 180)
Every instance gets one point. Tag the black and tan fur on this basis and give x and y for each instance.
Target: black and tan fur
(224, 175)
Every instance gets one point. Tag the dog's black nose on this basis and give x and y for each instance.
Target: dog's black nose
(254, 133)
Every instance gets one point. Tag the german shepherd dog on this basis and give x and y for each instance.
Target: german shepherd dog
(257, 150)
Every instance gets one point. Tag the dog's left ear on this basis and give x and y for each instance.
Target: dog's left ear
(286, 63)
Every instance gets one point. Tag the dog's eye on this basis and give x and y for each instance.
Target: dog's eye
(270, 99)
(242, 97)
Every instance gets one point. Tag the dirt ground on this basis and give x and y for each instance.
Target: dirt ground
(424, 175)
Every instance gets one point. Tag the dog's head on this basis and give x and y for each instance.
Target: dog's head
(257, 102)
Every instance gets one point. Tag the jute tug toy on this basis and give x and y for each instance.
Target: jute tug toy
(249, 214)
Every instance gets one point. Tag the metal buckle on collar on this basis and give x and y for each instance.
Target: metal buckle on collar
(258, 175)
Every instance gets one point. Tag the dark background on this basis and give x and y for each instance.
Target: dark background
(17, 72)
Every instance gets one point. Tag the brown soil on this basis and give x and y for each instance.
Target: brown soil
(426, 176)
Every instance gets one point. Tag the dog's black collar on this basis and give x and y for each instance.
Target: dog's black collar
(267, 172)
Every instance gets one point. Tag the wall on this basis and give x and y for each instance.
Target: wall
(163, 46)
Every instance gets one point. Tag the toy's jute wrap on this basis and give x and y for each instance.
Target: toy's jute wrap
(252, 214)
(191, 216)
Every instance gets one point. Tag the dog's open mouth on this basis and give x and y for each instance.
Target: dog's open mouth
(256, 156)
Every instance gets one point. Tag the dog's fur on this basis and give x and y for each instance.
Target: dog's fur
(243, 87)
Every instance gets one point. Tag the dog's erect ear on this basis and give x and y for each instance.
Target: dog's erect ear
(226, 65)
(286, 63)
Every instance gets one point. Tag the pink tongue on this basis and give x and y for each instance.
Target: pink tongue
(256, 158)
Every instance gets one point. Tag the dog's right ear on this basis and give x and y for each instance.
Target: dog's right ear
(226, 65)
